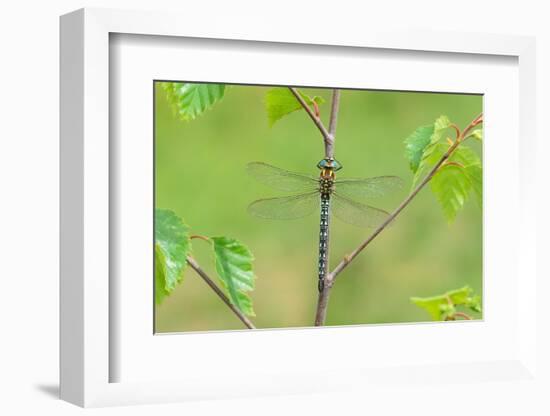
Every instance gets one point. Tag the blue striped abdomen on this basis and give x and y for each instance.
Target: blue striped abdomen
(323, 238)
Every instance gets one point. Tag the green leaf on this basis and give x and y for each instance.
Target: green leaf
(172, 244)
(234, 268)
(474, 303)
(190, 100)
(459, 296)
(426, 150)
(416, 143)
(475, 175)
(476, 134)
(472, 168)
(280, 101)
(431, 305)
(465, 156)
(447, 311)
(442, 306)
(428, 161)
(160, 275)
(451, 187)
(441, 124)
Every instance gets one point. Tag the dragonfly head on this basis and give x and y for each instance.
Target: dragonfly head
(329, 165)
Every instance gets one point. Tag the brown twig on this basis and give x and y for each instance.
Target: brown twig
(335, 107)
(463, 315)
(195, 266)
(328, 139)
(349, 258)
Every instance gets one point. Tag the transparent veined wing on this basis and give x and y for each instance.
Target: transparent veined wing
(368, 187)
(356, 213)
(280, 179)
(285, 208)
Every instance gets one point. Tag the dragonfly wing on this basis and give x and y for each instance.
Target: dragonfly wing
(280, 179)
(285, 208)
(368, 187)
(356, 213)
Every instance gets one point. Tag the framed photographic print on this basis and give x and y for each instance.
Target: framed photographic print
(227, 228)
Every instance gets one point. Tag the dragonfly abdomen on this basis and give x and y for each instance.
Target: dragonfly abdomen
(323, 238)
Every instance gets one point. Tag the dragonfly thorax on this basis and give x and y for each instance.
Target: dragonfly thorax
(326, 184)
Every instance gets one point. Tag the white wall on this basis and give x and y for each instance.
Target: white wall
(29, 178)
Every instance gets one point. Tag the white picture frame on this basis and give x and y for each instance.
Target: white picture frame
(88, 306)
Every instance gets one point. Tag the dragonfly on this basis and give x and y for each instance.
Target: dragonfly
(324, 192)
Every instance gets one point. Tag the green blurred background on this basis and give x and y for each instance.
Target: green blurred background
(200, 174)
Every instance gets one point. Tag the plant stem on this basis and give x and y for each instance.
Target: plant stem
(463, 315)
(200, 237)
(322, 305)
(329, 146)
(327, 137)
(195, 266)
(349, 258)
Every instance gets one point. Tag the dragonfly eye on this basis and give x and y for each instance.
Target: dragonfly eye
(329, 163)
